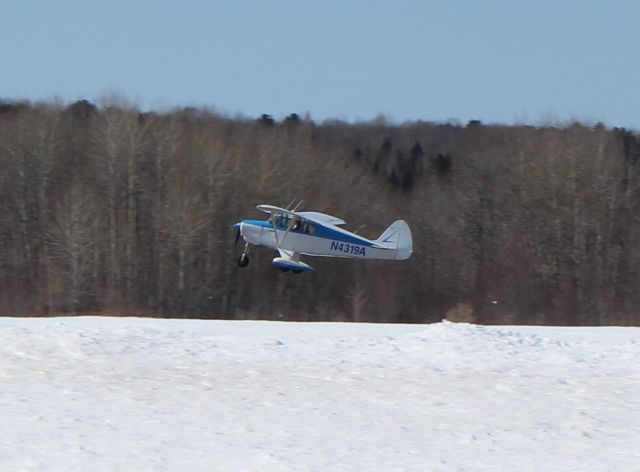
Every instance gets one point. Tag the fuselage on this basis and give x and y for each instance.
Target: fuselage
(311, 238)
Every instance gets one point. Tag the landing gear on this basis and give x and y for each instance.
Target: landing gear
(243, 260)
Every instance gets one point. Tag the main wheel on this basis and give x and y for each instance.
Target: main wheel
(243, 260)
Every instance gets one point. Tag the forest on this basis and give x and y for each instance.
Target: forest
(106, 209)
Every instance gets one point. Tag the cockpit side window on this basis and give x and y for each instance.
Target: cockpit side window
(282, 222)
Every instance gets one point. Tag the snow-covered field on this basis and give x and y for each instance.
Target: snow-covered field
(129, 394)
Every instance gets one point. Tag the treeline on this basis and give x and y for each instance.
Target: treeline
(108, 209)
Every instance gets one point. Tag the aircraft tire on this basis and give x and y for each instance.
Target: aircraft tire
(243, 260)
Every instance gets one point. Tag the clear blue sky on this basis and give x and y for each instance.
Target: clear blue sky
(497, 61)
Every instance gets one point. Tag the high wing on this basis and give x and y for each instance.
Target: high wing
(274, 210)
(321, 218)
(315, 216)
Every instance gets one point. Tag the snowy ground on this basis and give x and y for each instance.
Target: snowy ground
(127, 394)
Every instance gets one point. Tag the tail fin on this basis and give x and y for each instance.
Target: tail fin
(397, 237)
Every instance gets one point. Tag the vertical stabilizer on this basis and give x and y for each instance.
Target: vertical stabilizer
(397, 237)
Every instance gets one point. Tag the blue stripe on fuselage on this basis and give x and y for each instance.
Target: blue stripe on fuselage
(319, 231)
(263, 223)
(326, 232)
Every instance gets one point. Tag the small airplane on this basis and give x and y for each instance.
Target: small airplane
(293, 233)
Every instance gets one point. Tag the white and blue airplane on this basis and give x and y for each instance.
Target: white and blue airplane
(293, 233)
